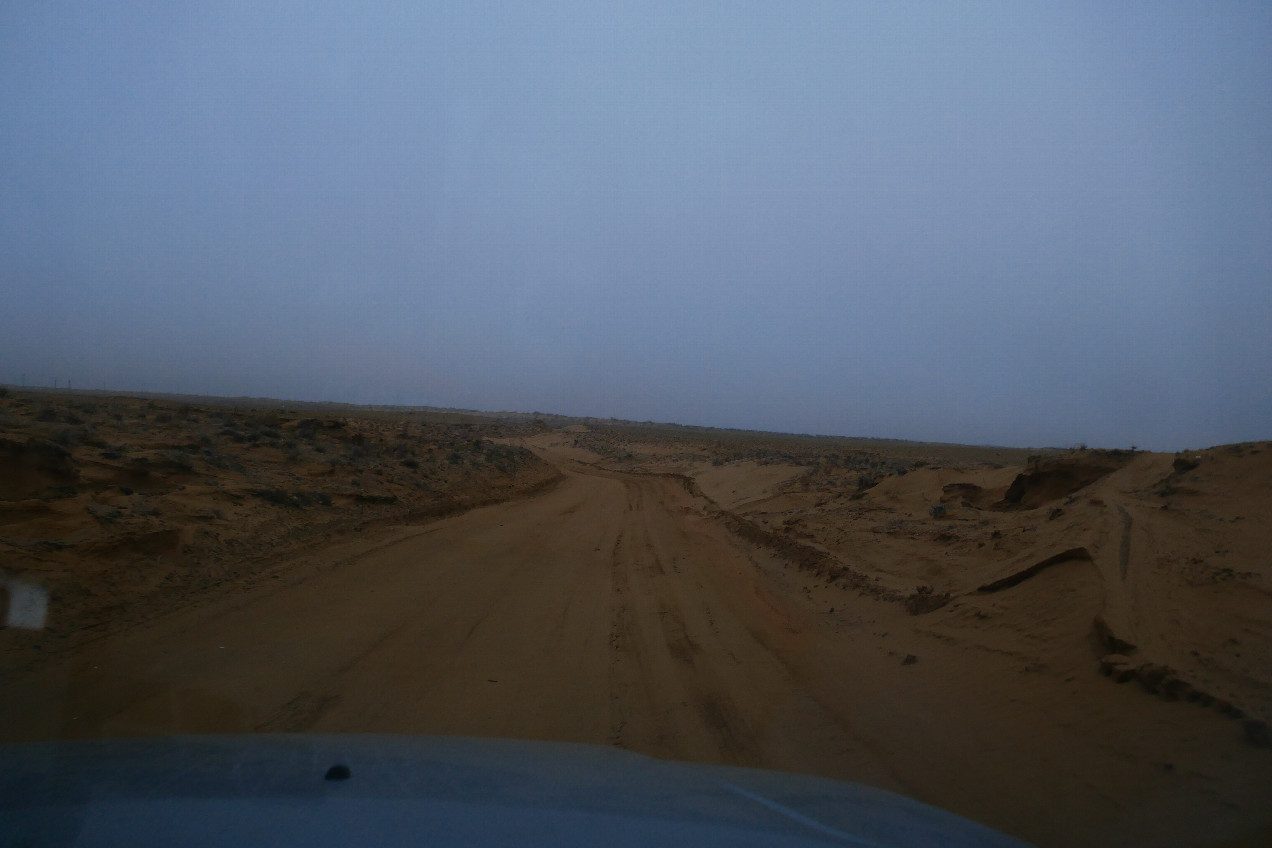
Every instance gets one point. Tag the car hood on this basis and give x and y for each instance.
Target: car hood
(413, 790)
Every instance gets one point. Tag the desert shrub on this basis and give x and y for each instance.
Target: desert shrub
(179, 460)
(262, 419)
(265, 433)
(925, 600)
(237, 436)
(410, 463)
(367, 498)
(275, 496)
(298, 499)
(68, 436)
(216, 459)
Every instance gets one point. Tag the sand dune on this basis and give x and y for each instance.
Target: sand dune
(1073, 647)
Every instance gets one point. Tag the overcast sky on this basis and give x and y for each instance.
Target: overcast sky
(1023, 224)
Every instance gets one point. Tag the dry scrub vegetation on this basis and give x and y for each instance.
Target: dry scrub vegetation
(125, 507)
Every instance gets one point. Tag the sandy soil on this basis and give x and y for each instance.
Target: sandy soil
(124, 507)
(957, 632)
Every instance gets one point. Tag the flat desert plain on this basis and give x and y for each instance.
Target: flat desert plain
(1074, 647)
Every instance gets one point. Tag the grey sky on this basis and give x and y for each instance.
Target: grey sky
(1023, 224)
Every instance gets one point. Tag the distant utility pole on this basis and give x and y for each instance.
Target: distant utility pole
(24, 379)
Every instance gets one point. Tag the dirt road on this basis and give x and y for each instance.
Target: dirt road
(613, 609)
(607, 611)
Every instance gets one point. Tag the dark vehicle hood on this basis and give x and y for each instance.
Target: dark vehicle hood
(420, 790)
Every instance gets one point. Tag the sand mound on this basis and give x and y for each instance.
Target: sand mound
(971, 495)
(1017, 577)
(735, 484)
(1051, 479)
(35, 468)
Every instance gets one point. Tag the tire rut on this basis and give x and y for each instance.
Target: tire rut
(667, 688)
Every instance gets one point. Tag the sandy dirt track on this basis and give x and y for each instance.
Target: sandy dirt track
(613, 609)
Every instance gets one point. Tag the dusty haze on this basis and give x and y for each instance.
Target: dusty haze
(982, 223)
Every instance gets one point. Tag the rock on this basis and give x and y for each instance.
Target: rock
(910, 659)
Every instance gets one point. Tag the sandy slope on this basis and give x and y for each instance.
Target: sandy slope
(623, 609)
(738, 484)
(124, 507)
